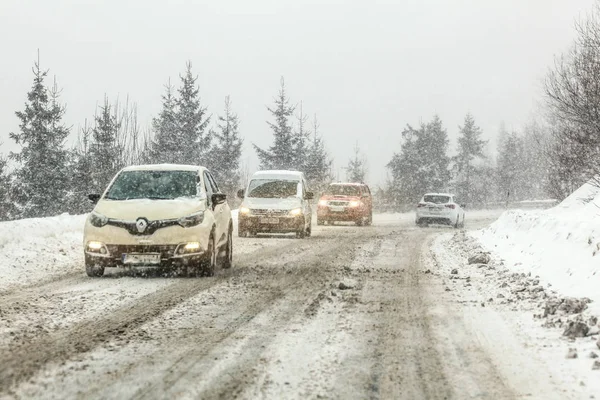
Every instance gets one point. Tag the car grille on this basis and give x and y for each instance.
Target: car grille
(338, 203)
(166, 251)
(270, 213)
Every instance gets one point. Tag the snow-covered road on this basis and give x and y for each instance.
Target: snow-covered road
(352, 312)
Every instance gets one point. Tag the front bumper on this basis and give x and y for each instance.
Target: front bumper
(348, 214)
(169, 256)
(284, 224)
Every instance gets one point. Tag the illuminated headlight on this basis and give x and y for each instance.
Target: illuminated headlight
(98, 220)
(354, 203)
(191, 220)
(322, 203)
(244, 210)
(296, 211)
(96, 247)
(188, 248)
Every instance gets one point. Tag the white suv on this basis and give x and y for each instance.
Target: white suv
(440, 208)
(164, 216)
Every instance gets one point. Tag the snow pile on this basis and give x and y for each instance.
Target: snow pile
(560, 245)
(38, 249)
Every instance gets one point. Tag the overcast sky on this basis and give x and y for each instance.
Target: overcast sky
(366, 68)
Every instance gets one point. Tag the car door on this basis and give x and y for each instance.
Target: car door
(219, 210)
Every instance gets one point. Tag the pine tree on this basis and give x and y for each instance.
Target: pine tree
(300, 141)
(6, 208)
(191, 120)
(318, 164)
(42, 175)
(227, 151)
(356, 170)
(81, 172)
(422, 164)
(510, 169)
(104, 150)
(280, 155)
(470, 148)
(166, 146)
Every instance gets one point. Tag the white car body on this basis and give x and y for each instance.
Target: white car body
(440, 208)
(155, 232)
(291, 213)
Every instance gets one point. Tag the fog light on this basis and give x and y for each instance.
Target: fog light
(95, 246)
(322, 203)
(244, 210)
(296, 211)
(192, 246)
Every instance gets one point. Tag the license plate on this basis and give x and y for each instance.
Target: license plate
(146, 259)
(337, 209)
(272, 221)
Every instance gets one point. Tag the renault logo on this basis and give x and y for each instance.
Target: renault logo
(141, 224)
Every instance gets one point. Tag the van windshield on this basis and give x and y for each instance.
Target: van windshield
(272, 188)
(154, 185)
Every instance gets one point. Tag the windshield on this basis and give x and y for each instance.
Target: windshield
(342, 190)
(272, 188)
(155, 185)
(436, 199)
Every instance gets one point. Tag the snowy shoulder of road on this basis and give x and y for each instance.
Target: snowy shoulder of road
(539, 271)
(560, 245)
(38, 249)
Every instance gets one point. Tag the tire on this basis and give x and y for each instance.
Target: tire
(360, 221)
(370, 219)
(309, 230)
(228, 256)
(209, 264)
(457, 224)
(94, 271)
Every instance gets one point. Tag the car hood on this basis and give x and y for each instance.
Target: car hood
(272, 204)
(130, 210)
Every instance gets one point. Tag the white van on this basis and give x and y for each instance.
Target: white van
(275, 202)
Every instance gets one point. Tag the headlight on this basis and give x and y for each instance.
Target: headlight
(189, 248)
(96, 247)
(322, 203)
(244, 210)
(98, 220)
(354, 203)
(191, 220)
(296, 211)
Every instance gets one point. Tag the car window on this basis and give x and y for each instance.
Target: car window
(436, 199)
(342, 190)
(213, 183)
(154, 185)
(272, 188)
(208, 187)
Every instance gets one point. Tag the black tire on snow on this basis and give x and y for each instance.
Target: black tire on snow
(208, 263)
(94, 271)
(228, 256)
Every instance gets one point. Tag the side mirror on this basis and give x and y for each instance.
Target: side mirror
(309, 195)
(94, 197)
(241, 193)
(219, 198)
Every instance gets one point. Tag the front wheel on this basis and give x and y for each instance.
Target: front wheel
(228, 254)
(94, 271)
(209, 264)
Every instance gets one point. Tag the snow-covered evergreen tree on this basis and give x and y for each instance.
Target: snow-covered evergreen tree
(280, 155)
(470, 149)
(81, 172)
(166, 146)
(356, 170)
(6, 208)
(193, 139)
(41, 179)
(511, 183)
(227, 151)
(105, 151)
(318, 162)
(422, 164)
(300, 142)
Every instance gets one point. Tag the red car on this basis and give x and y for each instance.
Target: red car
(348, 202)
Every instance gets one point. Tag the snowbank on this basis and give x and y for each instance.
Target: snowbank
(38, 249)
(561, 245)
